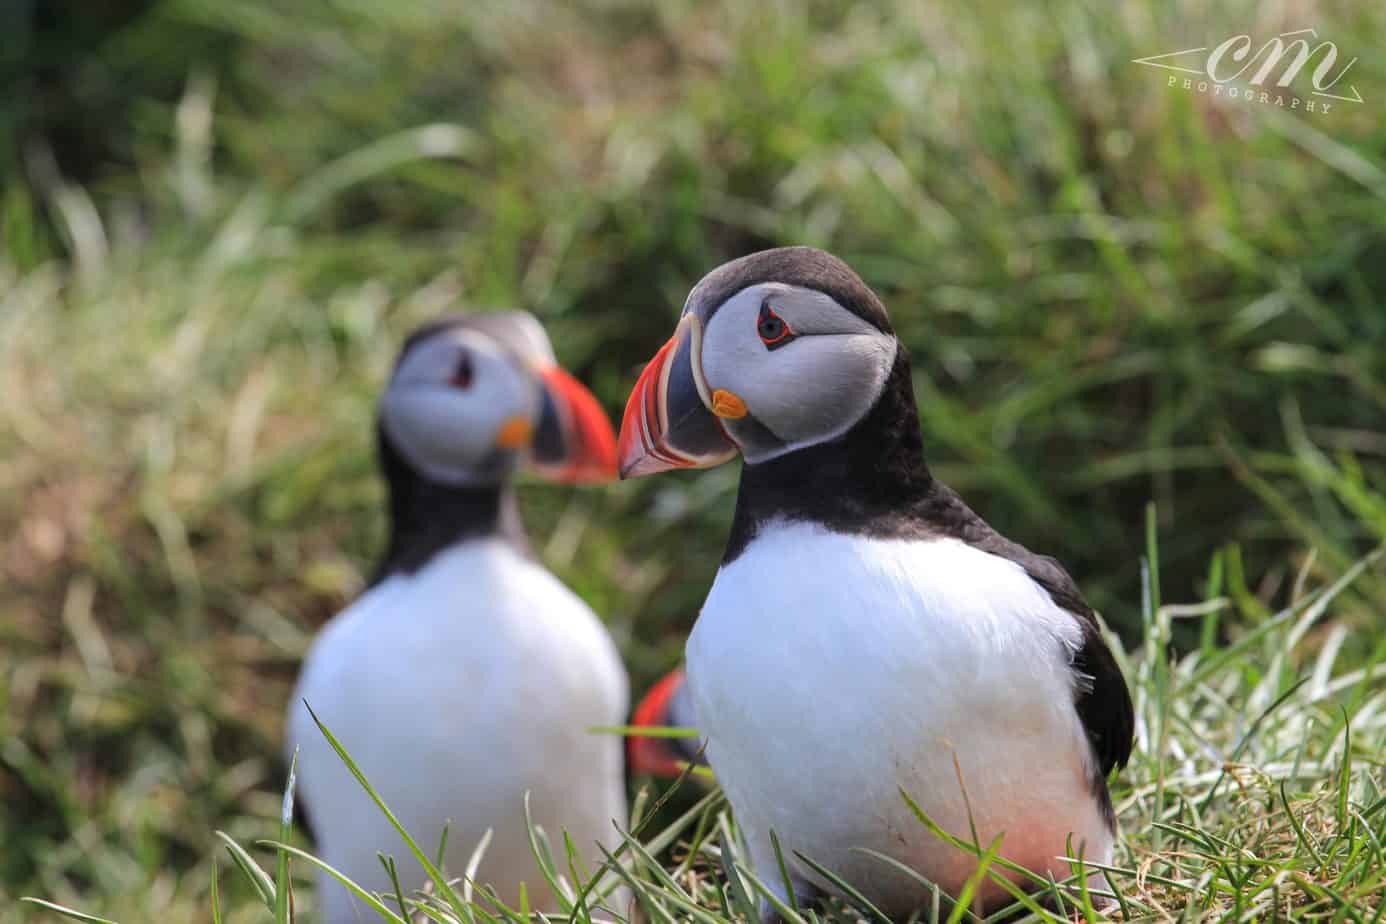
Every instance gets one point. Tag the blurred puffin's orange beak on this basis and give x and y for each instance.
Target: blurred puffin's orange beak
(575, 443)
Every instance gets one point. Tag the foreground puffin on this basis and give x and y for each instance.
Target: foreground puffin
(466, 675)
(868, 633)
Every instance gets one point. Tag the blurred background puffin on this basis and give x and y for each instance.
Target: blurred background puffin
(467, 674)
(867, 632)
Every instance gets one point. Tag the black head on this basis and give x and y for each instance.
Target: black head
(801, 267)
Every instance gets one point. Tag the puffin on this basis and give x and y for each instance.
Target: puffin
(867, 635)
(464, 680)
(666, 705)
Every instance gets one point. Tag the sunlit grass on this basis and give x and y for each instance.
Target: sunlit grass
(1256, 791)
(1112, 293)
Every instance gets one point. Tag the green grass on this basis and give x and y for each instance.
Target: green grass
(1113, 293)
(1257, 791)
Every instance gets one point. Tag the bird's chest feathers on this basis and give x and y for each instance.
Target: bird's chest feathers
(828, 664)
(938, 613)
(467, 632)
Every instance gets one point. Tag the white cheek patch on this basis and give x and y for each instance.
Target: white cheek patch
(434, 431)
(817, 388)
(811, 390)
(448, 433)
(732, 349)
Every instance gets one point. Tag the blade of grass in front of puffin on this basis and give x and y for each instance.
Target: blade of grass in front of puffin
(968, 846)
(787, 913)
(693, 911)
(707, 804)
(969, 889)
(695, 845)
(905, 870)
(1020, 897)
(543, 856)
(653, 908)
(1021, 900)
(644, 731)
(845, 888)
(283, 888)
(368, 898)
(740, 898)
(637, 807)
(469, 874)
(442, 853)
(656, 888)
(602, 884)
(1080, 872)
(392, 872)
(577, 873)
(784, 870)
(646, 861)
(440, 882)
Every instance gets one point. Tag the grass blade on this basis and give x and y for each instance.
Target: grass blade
(963, 903)
(736, 887)
(370, 899)
(543, 856)
(644, 731)
(652, 908)
(264, 886)
(788, 913)
(214, 897)
(473, 865)
(392, 871)
(784, 870)
(440, 882)
(67, 912)
(845, 888)
(283, 888)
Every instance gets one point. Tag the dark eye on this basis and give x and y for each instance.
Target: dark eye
(462, 375)
(774, 330)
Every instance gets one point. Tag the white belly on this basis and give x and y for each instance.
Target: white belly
(829, 671)
(457, 690)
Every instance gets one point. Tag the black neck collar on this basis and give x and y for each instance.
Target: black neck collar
(873, 480)
(427, 517)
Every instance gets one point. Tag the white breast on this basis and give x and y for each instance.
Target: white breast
(830, 671)
(457, 689)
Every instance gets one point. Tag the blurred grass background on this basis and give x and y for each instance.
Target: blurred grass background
(218, 220)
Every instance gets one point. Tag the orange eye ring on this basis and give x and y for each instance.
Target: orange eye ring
(774, 330)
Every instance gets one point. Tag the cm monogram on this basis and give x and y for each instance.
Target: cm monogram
(1232, 69)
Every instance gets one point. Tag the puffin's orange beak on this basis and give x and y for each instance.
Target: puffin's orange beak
(575, 442)
(666, 424)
